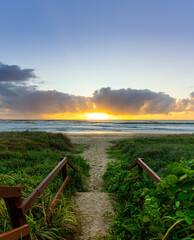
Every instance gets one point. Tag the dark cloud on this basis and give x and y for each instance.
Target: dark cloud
(132, 101)
(13, 73)
(25, 100)
(192, 95)
(29, 101)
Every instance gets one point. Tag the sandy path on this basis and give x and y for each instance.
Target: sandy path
(97, 157)
(93, 204)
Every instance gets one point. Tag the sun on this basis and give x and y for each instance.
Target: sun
(96, 116)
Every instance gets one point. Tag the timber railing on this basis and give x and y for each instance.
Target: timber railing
(142, 166)
(18, 208)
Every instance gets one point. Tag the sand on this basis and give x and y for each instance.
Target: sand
(93, 204)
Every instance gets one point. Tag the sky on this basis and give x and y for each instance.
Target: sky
(130, 59)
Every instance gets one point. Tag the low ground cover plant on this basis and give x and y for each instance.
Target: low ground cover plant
(26, 159)
(148, 210)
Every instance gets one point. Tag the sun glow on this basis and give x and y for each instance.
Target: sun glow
(97, 116)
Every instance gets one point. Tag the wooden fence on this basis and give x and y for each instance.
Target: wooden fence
(142, 166)
(18, 208)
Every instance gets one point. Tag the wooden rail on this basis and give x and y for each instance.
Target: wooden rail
(142, 166)
(17, 208)
(17, 233)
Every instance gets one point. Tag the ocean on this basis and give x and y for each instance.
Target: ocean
(98, 126)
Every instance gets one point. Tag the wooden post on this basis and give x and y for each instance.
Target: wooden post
(12, 197)
(64, 170)
(140, 168)
(16, 214)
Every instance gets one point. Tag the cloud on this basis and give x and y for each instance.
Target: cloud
(27, 99)
(20, 98)
(17, 96)
(13, 73)
(132, 101)
(185, 105)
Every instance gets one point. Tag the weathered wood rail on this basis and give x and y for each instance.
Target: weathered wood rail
(17, 233)
(18, 208)
(142, 166)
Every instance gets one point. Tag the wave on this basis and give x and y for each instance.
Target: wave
(104, 126)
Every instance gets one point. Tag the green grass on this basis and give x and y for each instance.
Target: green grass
(144, 209)
(26, 159)
(157, 151)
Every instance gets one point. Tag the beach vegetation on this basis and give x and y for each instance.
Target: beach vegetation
(26, 159)
(145, 209)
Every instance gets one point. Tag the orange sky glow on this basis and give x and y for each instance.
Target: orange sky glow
(104, 116)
